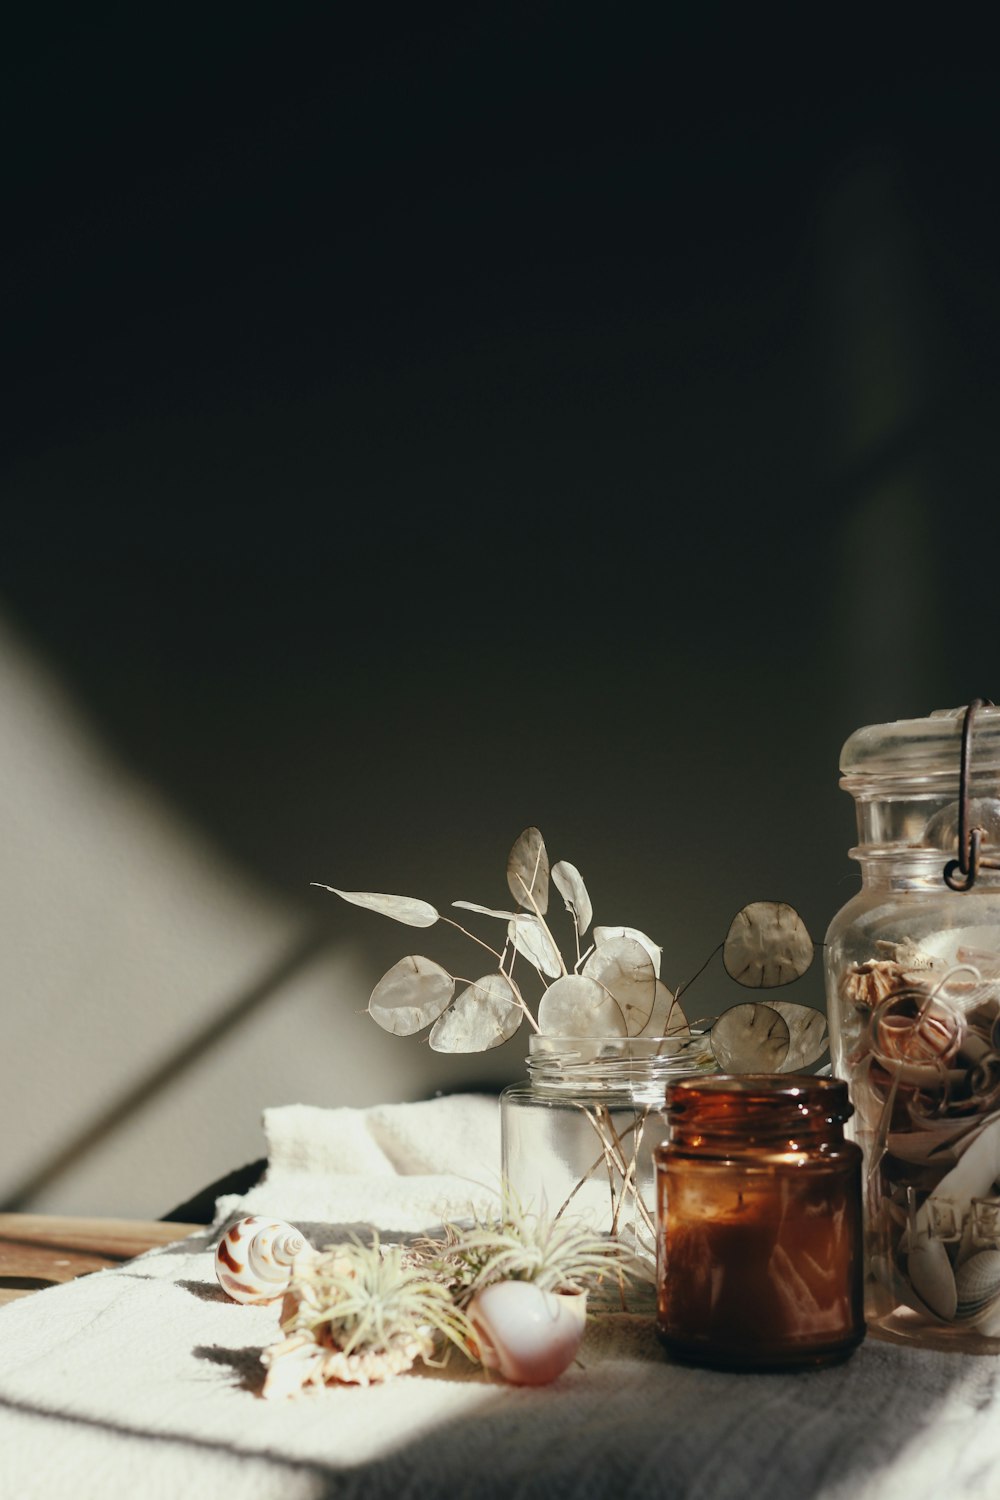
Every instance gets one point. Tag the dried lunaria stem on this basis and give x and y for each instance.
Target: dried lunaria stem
(922, 1035)
(612, 990)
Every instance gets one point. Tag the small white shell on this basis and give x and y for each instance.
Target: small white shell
(254, 1259)
(528, 1335)
(932, 1277)
(977, 1282)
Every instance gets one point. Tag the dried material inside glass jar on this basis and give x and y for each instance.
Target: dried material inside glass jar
(926, 1075)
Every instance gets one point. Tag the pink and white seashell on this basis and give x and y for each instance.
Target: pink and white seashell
(254, 1259)
(530, 1336)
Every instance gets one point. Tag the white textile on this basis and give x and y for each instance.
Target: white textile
(144, 1381)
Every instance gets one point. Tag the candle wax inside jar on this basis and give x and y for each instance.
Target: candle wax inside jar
(756, 1264)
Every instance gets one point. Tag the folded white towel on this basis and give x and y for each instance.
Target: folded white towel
(401, 1167)
(144, 1381)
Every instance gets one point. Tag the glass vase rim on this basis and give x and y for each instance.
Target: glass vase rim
(648, 1063)
(693, 1033)
(684, 1053)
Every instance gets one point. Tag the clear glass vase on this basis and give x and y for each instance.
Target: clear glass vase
(578, 1135)
(913, 990)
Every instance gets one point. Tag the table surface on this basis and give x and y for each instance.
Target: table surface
(40, 1250)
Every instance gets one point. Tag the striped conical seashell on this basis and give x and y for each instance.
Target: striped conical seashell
(977, 1283)
(254, 1259)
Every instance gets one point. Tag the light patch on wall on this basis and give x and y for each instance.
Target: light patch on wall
(879, 393)
(153, 1000)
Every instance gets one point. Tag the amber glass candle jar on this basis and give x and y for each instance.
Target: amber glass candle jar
(759, 1254)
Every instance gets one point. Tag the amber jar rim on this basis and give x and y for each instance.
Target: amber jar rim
(804, 1087)
(757, 1105)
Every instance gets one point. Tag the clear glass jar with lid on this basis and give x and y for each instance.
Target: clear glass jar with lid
(578, 1135)
(913, 992)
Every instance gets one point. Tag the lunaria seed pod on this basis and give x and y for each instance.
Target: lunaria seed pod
(255, 1258)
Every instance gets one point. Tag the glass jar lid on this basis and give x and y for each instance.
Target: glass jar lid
(909, 749)
(929, 786)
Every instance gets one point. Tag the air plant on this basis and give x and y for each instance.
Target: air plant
(522, 1280)
(358, 1314)
(611, 988)
(556, 1252)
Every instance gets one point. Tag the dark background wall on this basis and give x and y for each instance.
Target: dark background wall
(421, 425)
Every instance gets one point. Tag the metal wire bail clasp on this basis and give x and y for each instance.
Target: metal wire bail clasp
(961, 873)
